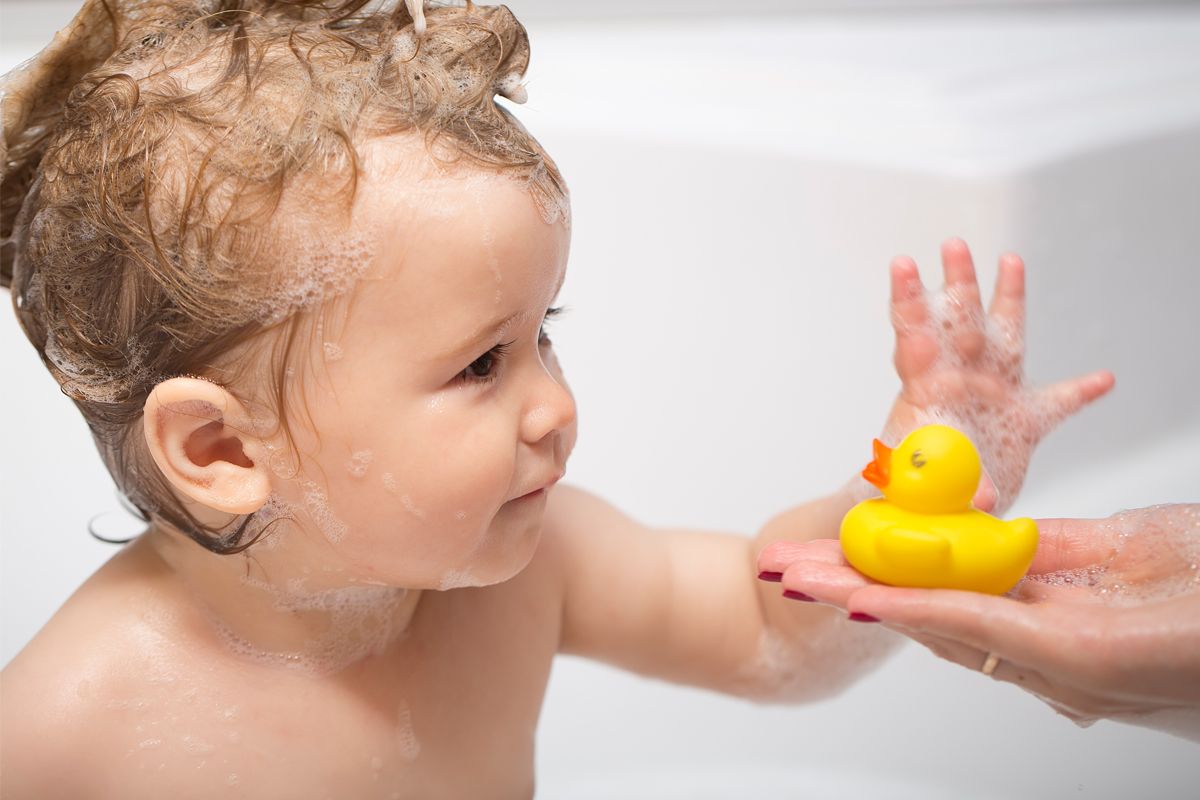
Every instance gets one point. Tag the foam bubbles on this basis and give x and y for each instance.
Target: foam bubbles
(360, 462)
(456, 579)
(407, 743)
(93, 382)
(272, 511)
(196, 746)
(333, 351)
(404, 47)
(1155, 555)
(361, 622)
(411, 507)
(1004, 433)
(280, 461)
(835, 654)
(314, 276)
(316, 502)
(510, 86)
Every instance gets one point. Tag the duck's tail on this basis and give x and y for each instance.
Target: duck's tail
(1025, 532)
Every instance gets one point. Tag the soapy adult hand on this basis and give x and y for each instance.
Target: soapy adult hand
(965, 368)
(1106, 624)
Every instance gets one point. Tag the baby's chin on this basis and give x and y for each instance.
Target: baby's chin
(504, 553)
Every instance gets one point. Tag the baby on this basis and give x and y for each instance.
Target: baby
(296, 267)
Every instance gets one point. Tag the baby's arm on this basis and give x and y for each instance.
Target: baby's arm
(684, 605)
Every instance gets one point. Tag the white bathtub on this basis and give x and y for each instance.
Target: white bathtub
(739, 187)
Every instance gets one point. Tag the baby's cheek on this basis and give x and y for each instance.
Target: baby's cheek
(569, 434)
(567, 446)
(456, 469)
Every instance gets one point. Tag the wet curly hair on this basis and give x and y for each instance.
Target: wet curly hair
(147, 154)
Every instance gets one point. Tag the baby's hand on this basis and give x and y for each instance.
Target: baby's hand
(965, 368)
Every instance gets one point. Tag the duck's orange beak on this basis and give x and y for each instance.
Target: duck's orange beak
(877, 471)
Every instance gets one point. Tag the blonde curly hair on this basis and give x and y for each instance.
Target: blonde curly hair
(148, 151)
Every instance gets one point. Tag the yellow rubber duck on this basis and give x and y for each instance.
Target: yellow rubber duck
(924, 532)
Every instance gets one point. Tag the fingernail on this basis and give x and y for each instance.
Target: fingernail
(858, 616)
(801, 596)
(774, 577)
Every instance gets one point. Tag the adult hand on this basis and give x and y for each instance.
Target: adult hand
(1106, 624)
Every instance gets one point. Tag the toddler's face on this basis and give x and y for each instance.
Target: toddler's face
(440, 413)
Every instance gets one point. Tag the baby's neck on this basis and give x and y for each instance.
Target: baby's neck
(269, 604)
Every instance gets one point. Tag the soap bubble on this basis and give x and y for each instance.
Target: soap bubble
(361, 622)
(316, 502)
(1006, 435)
(833, 655)
(333, 351)
(1155, 555)
(360, 461)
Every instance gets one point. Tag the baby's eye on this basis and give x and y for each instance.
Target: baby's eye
(917, 459)
(483, 369)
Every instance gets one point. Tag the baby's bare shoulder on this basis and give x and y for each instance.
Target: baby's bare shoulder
(110, 622)
(85, 669)
(49, 727)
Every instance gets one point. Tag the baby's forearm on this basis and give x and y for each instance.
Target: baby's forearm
(817, 519)
(809, 651)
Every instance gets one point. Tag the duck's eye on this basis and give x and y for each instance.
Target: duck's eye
(917, 459)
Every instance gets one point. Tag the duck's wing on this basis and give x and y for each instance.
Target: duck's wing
(911, 548)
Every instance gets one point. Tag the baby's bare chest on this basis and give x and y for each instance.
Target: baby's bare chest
(449, 716)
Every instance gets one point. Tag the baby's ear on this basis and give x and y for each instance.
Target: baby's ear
(200, 437)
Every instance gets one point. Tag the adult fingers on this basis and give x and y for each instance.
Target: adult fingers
(1067, 544)
(776, 557)
(1011, 629)
(1053, 589)
(823, 582)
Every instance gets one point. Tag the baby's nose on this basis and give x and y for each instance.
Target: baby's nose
(551, 408)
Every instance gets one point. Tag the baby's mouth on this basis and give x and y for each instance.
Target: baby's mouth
(542, 489)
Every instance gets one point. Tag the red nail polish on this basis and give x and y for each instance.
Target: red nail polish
(801, 596)
(774, 577)
(858, 616)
